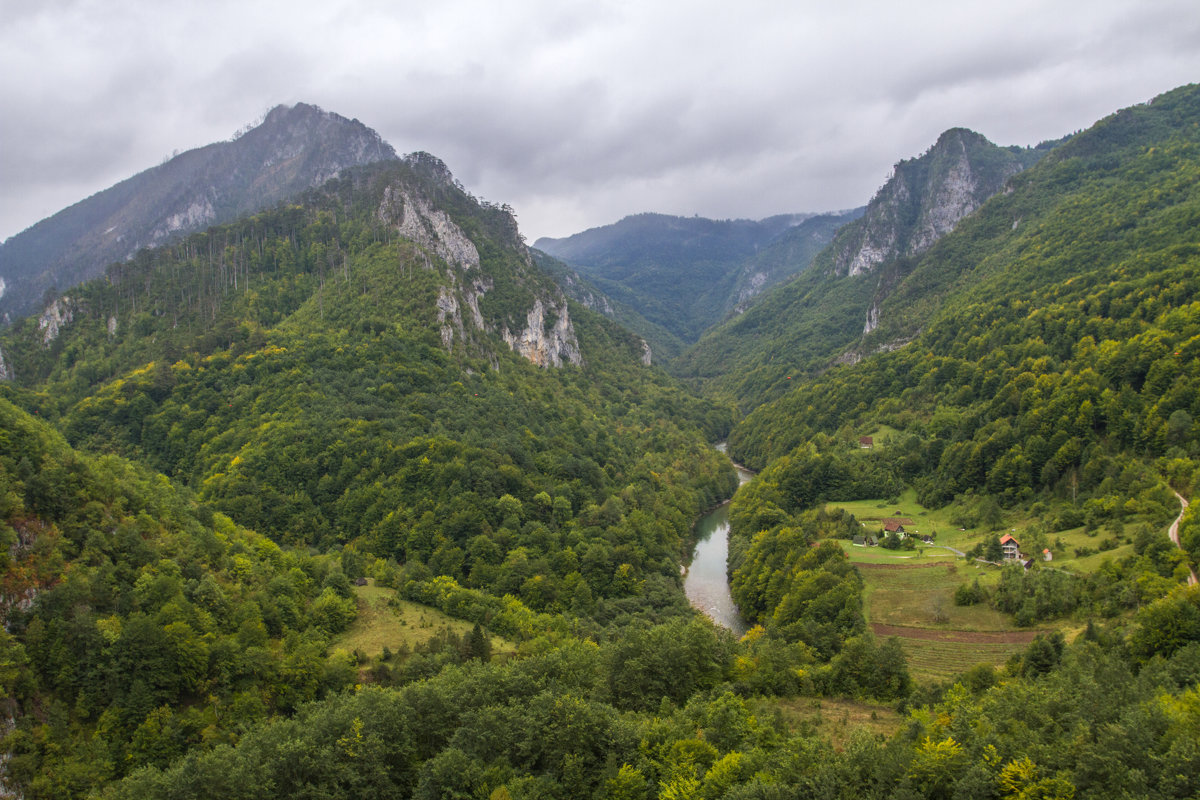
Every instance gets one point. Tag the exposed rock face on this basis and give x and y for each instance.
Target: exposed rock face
(292, 150)
(548, 337)
(924, 199)
(752, 288)
(429, 227)
(5, 372)
(877, 238)
(580, 292)
(546, 348)
(872, 319)
(448, 317)
(57, 314)
(199, 214)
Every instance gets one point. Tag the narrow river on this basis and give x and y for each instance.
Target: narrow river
(706, 584)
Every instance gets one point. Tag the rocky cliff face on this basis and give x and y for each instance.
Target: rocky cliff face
(292, 150)
(547, 337)
(924, 199)
(59, 313)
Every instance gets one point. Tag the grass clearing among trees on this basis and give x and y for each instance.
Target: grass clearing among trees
(837, 718)
(385, 620)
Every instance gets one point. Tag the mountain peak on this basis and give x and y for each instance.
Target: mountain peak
(294, 148)
(430, 167)
(924, 199)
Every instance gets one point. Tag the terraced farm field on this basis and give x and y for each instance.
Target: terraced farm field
(915, 602)
(939, 655)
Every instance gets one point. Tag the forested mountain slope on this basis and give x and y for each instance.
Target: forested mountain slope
(661, 344)
(137, 622)
(1062, 360)
(379, 380)
(381, 372)
(684, 273)
(293, 149)
(308, 368)
(803, 324)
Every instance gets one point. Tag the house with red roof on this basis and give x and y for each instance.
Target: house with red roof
(1010, 546)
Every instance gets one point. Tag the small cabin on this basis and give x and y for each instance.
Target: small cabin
(866, 442)
(1047, 555)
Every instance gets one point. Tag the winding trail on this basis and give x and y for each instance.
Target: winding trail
(1173, 532)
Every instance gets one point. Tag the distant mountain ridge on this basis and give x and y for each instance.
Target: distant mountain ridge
(684, 273)
(293, 149)
(791, 252)
(659, 344)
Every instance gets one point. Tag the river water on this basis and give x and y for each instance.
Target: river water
(706, 584)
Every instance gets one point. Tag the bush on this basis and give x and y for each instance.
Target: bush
(969, 594)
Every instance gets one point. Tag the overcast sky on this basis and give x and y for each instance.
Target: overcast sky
(575, 113)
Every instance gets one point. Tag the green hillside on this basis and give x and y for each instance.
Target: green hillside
(1058, 373)
(322, 394)
(686, 273)
(801, 327)
(350, 499)
(138, 622)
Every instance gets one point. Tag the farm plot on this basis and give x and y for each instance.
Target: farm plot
(939, 655)
(915, 602)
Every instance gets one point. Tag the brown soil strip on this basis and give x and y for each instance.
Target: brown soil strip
(966, 637)
(870, 565)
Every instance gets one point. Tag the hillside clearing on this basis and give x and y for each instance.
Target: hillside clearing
(385, 620)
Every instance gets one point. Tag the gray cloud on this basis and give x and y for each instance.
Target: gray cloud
(576, 114)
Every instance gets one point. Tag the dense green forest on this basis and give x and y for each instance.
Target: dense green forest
(1062, 362)
(209, 456)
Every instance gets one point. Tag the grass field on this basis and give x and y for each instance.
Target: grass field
(940, 639)
(385, 621)
(861, 554)
(834, 718)
(923, 597)
(941, 660)
(910, 594)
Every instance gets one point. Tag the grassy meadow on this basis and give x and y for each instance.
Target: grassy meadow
(385, 620)
(836, 718)
(937, 522)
